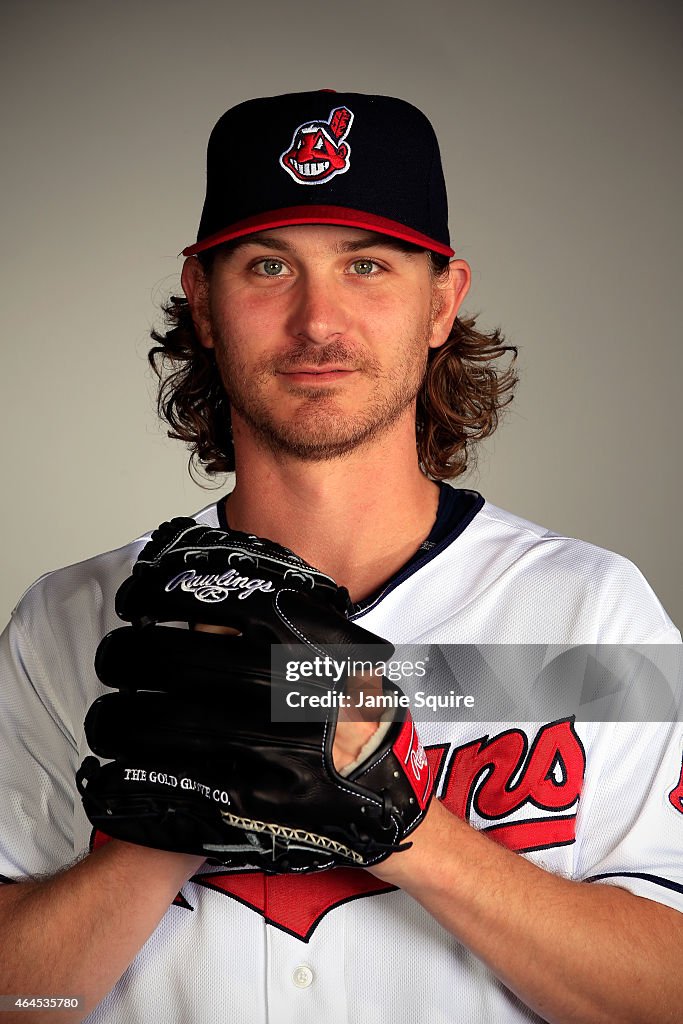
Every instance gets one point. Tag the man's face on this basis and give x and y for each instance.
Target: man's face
(321, 336)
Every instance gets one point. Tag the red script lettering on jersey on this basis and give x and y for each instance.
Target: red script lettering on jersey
(495, 777)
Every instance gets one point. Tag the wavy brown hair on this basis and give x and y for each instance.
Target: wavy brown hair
(459, 404)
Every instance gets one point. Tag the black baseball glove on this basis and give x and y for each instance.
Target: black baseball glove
(199, 765)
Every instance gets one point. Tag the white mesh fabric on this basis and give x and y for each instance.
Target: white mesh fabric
(373, 959)
(505, 580)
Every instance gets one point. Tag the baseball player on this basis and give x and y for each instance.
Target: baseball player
(208, 868)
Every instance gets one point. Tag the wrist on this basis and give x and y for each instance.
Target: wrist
(425, 851)
(144, 858)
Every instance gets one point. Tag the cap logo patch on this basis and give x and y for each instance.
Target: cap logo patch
(318, 151)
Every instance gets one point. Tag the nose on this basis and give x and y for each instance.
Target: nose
(319, 311)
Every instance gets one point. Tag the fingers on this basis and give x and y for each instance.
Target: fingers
(205, 627)
(349, 739)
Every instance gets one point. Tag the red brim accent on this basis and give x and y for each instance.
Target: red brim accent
(340, 215)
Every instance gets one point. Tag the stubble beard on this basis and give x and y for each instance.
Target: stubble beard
(320, 429)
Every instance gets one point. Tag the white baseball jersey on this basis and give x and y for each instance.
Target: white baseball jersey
(342, 946)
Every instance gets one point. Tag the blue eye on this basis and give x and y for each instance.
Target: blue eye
(364, 267)
(273, 268)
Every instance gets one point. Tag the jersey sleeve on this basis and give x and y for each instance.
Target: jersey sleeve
(38, 759)
(630, 821)
(47, 684)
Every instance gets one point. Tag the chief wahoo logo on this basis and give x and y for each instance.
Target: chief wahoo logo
(318, 151)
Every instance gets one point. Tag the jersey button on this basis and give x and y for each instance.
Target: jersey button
(302, 976)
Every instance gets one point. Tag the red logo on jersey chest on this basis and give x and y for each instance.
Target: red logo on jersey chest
(491, 776)
(495, 777)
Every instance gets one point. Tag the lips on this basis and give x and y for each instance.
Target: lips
(318, 369)
(316, 374)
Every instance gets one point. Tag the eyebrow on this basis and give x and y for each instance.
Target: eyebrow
(372, 240)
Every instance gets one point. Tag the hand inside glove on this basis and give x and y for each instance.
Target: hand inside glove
(198, 763)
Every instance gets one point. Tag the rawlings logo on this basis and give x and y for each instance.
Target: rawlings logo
(317, 151)
(410, 752)
(212, 587)
(418, 760)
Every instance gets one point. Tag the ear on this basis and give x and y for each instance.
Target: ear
(196, 288)
(449, 293)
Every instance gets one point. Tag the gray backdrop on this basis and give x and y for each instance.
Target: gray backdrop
(560, 129)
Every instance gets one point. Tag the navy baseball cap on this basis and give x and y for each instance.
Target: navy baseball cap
(324, 157)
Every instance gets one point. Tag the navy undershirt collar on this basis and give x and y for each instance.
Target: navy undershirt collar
(456, 510)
